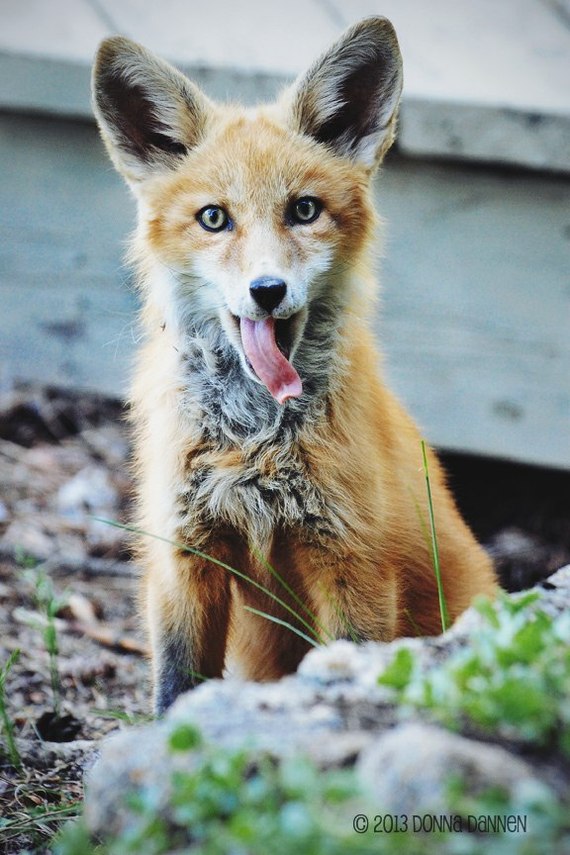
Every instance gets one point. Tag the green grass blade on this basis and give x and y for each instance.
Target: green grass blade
(282, 623)
(342, 618)
(435, 550)
(198, 676)
(7, 723)
(121, 715)
(184, 548)
(423, 524)
(413, 623)
(263, 560)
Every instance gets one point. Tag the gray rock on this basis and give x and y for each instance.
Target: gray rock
(45, 755)
(90, 490)
(133, 762)
(333, 711)
(407, 770)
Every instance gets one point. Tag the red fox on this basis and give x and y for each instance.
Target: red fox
(264, 435)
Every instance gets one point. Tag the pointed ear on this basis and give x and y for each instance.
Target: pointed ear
(149, 114)
(349, 98)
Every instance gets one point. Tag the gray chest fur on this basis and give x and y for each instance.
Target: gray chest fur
(257, 503)
(266, 486)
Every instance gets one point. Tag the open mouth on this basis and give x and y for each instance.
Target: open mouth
(267, 346)
(284, 335)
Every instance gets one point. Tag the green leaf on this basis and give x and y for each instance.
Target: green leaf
(185, 737)
(487, 610)
(398, 673)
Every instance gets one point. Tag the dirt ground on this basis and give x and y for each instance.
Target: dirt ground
(67, 575)
(63, 463)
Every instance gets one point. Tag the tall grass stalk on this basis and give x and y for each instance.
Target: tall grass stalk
(413, 623)
(48, 604)
(434, 547)
(284, 623)
(343, 620)
(7, 723)
(40, 822)
(263, 560)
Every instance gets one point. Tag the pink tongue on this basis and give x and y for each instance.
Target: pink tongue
(276, 372)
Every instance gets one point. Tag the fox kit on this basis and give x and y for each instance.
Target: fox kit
(266, 441)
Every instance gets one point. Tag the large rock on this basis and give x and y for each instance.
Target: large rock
(332, 710)
(406, 769)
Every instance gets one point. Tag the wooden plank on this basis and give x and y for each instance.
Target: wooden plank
(477, 306)
(484, 80)
(476, 294)
(67, 306)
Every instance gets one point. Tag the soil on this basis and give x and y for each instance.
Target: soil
(63, 469)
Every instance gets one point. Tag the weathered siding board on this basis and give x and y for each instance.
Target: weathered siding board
(485, 80)
(476, 308)
(72, 336)
(476, 292)
(67, 308)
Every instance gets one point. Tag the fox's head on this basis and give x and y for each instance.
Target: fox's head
(251, 217)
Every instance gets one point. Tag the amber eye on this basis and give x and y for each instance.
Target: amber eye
(305, 210)
(213, 218)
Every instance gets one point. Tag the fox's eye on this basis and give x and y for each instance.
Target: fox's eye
(305, 210)
(213, 218)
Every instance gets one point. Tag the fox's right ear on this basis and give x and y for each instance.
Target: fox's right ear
(348, 100)
(149, 114)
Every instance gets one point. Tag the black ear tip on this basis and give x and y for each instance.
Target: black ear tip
(113, 56)
(377, 24)
(375, 28)
(113, 47)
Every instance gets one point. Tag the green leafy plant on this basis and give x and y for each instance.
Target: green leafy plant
(48, 606)
(237, 802)
(513, 675)
(248, 803)
(543, 816)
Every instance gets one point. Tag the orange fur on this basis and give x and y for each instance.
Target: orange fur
(335, 503)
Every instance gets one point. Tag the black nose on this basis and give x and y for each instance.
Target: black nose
(267, 292)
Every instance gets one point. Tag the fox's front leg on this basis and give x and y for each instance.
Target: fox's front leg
(188, 606)
(353, 594)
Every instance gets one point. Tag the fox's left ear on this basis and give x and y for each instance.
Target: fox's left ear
(150, 115)
(349, 98)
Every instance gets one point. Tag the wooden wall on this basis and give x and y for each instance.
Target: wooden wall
(476, 292)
